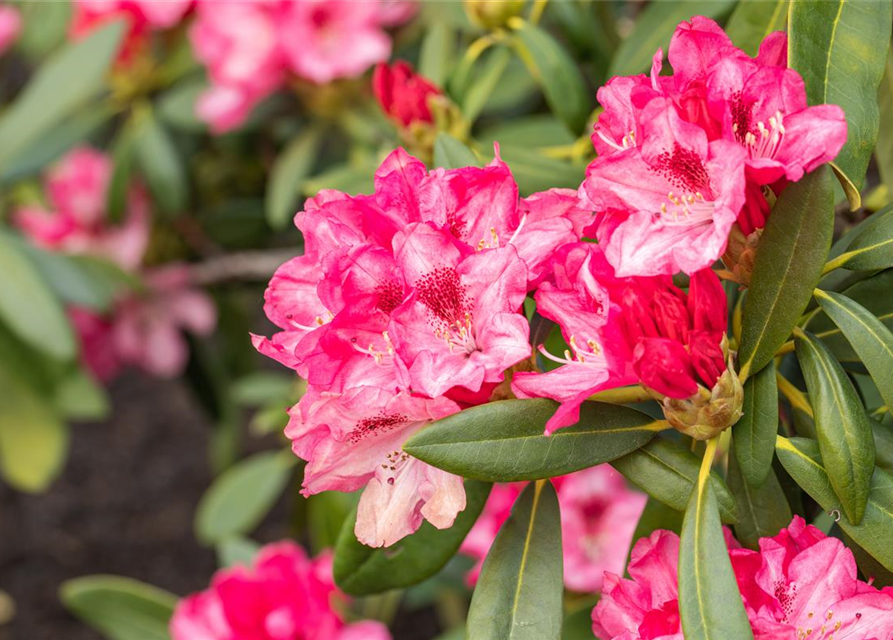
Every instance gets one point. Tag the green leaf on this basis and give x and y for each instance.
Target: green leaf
(449, 153)
(883, 151)
(123, 152)
(478, 93)
(61, 85)
(176, 106)
(709, 602)
(667, 471)
(872, 570)
(28, 306)
(437, 52)
(242, 495)
(753, 20)
(236, 550)
(535, 172)
(556, 71)
(801, 459)
(843, 429)
(162, 166)
(120, 608)
(869, 337)
(69, 282)
(503, 441)
(789, 263)
(519, 592)
(80, 397)
(871, 248)
(33, 439)
(763, 510)
(361, 570)
(654, 27)
(326, 514)
(883, 445)
(754, 435)
(839, 47)
(292, 166)
(540, 130)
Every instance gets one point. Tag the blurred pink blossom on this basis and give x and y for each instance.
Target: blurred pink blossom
(10, 26)
(284, 595)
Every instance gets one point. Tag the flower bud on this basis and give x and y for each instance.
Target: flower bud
(741, 253)
(708, 412)
(493, 14)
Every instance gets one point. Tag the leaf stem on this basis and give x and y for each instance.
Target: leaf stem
(796, 397)
(831, 265)
(707, 460)
(622, 395)
(537, 11)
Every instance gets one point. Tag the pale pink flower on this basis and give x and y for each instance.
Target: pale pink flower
(800, 583)
(284, 595)
(10, 26)
(598, 516)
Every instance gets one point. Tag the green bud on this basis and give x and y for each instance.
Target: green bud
(493, 14)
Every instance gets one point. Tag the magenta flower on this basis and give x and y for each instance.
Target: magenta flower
(799, 584)
(284, 595)
(10, 26)
(403, 94)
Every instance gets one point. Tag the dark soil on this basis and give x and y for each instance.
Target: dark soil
(124, 505)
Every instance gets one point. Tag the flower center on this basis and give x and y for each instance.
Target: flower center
(449, 308)
(627, 142)
(684, 170)
(389, 295)
(377, 425)
(767, 141)
(590, 355)
(378, 354)
(318, 321)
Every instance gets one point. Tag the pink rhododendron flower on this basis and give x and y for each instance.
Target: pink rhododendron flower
(598, 516)
(284, 595)
(799, 584)
(402, 93)
(10, 26)
(624, 330)
(252, 49)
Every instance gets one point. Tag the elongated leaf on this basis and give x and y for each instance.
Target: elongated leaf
(241, 496)
(326, 514)
(80, 397)
(519, 592)
(236, 550)
(871, 569)
(436, 54)
(449, 153)
(839, 47)
(33, 439)
(27, 305)
(654, 27)
(754, 435)
(883, 445)
(162, 166)
(869, 337)
(503, 441)
(788, 266)
(361, 570)
(801, 459)
(287, 175)
(843, 429)
(883, 151)
(656, 515)
(176, 106)
(541, 130)
(62, 84)
(120, 608)
(710, 605)
(667, 471)
(479, 91)
(872, 248)
(556, 71)
(762, 510)
(753, 20)
(535, 172)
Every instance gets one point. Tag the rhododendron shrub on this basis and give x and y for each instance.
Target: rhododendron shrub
(548, 320)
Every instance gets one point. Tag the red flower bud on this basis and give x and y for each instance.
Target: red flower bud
(402, 93)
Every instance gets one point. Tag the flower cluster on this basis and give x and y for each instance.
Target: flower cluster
(684, 157)
(251, 49)
(285, 595)
(599, 514)
(800, 584)
(405, 307)
(144, 327)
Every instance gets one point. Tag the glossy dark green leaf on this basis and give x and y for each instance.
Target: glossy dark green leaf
(291, 167)
(242, 495)
(872, 340)
(120, 608)
(753, 20)
(710, 605)
(654, 27)
(842, 426)
(839, 47)
(449, 153)
(801, 459)
(762, 510)
(754, 434)
(667, 471)
(361, 570)
(556, 72)
(872, 570)
(883, 445)
(519, 593)
(162, 167)
(61, 85)
(33, 438)
(29, 307)
(789, 263)
(872, 247)
(883, 151)
(503, 441)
